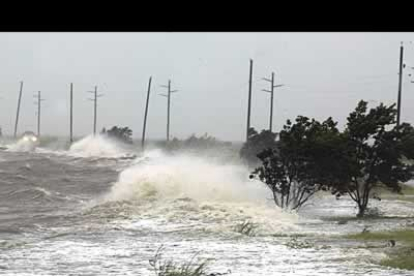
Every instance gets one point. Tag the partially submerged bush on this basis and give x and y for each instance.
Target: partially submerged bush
(188, 268)
(297, 244)
(246, 228)
(403, 259)
(401, 255)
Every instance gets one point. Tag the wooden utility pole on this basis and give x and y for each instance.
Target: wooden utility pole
(272, 86)
(39, 108)
(168, 95)
(71, 115)
(95, 105)
(400, 85)
(249, 100)
(94, 110)
(145, 115)
(18, 109)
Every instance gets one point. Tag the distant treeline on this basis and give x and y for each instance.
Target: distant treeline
(193, 143)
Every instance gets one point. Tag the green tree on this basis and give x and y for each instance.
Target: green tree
(256, 143)
(371, 152)
(302, 163)
(375, 153)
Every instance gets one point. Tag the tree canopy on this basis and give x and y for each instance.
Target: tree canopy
(311, 156)
(375, 153)
(256, 143)
(292, 171)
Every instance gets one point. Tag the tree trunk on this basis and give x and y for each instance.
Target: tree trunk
(362, 199)
(361, 209)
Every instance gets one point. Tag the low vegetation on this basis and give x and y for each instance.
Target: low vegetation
(197, 144)
(406, 235)
(246, 228)
(406, 193)
(402, 242)
(189, 268)
(403, 259)
(294, 243)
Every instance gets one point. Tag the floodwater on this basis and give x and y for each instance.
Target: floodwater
(90, 211)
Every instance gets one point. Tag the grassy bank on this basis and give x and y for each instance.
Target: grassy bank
(402, 255)
(407, 193)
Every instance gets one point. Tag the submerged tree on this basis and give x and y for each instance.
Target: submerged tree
(256, 143)
(375, 154)
(302, 164)
(123, 134)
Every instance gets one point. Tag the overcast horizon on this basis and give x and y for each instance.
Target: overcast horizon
(324, 74)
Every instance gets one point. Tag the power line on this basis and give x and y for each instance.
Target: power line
(39, 108)
(168, 96)
(145, 115)
(271, 91)
(71, 115)
(249, 99)
(95, 105)
(400, 84)
(18, 109)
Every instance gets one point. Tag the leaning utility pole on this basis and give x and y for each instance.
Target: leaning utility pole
(95, 100)
(250, 99)
(18, 109)
(400, 85)
(145, 115)
(71, 115)
(272, 86)
(39, 107)
(168, 106)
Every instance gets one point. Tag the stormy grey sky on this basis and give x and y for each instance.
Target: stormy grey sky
(325, 74)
